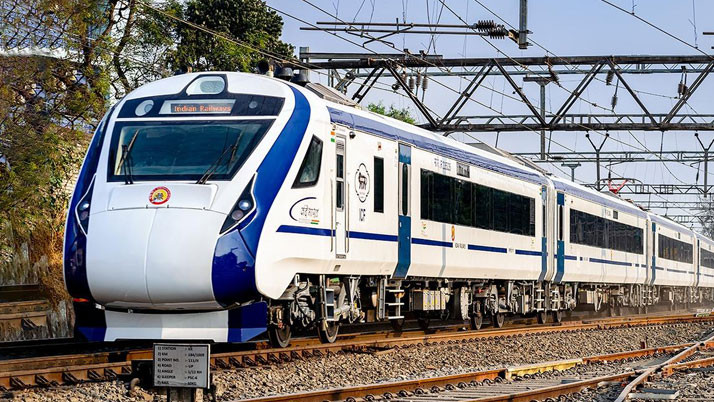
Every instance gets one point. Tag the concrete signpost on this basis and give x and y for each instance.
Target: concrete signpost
(182, 368)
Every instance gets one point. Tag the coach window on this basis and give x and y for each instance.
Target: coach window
(309, 171)
(483, 210)
(378, 184)
(405, 189)
(462, 202)
(340, 182)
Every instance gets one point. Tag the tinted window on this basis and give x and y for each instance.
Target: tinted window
(594, 231)
(378, 184)
(673, 249)
(448, 200)
(309, 171)
(707, 258)
(182, 150)
(405, 189)
(463, 203)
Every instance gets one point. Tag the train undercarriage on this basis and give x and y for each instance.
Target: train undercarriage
(323, 303)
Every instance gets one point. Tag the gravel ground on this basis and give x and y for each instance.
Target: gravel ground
(116, 391)
(439, 360)
(599, 394)
(348, 369)
(693, 384)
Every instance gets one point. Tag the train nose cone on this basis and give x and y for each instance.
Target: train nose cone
(180, 257)
(116, 255)
(153, 258)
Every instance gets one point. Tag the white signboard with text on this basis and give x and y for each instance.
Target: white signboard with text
(181, 365)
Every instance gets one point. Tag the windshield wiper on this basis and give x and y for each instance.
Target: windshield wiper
(214, 167)
(126, 150)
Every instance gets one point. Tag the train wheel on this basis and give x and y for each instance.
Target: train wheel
(397, 324)
(328, 335)
(542, 317)
(558, 316)
(279, 337)
(423, 322)
(498, 320)
(476, 321)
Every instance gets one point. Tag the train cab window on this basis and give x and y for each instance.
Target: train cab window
(378, 184)
(182, 150)
(309, 172)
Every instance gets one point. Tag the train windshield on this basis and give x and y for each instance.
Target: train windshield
(148, 151)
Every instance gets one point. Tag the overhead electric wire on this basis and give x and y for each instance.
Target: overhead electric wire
(274, 56)
(584, 126)
(432, 64)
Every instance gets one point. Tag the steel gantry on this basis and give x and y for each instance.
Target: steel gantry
(538, 69)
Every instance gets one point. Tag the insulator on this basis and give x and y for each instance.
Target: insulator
(609, 77)
(499, 32)
(411, 83)
(424, 83)
(682, 89)
(404, 76)
(613, 103)
(418, 79)
(484, 25)
(553, 75)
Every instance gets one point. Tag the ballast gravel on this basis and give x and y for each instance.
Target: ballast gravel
(351, 369)
(425, 361)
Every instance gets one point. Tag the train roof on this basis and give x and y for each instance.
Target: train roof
(363, 120)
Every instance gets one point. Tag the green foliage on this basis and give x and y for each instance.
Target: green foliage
(247, 21)
(393, 112)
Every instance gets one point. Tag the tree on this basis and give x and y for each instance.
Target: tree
(247, 21)
(393, 112)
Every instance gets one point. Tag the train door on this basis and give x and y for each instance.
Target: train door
(648, 252)
(560, 237)
(652, 249)
(404, 231)
(341, 219)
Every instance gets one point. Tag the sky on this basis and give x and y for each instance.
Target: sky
(564, 28)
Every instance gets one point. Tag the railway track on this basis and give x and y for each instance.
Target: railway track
(21, 373)
(521, 383)
(23, 308)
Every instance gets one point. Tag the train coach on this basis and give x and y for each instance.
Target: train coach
(219, 206)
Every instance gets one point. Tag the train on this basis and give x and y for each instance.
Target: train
(219, 206)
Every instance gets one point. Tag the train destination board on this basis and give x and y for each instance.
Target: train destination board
(181, 365)
(207, 106)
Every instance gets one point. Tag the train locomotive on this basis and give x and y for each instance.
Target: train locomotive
(219, 206)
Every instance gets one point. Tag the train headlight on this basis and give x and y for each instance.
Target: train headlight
(83, 208)
(209, 85)
(245, 204)
(242, 208)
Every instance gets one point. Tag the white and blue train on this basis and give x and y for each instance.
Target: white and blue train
(218, 206)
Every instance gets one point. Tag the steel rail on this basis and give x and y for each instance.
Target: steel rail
(417, 387)
(665, 367)
(18, 373)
